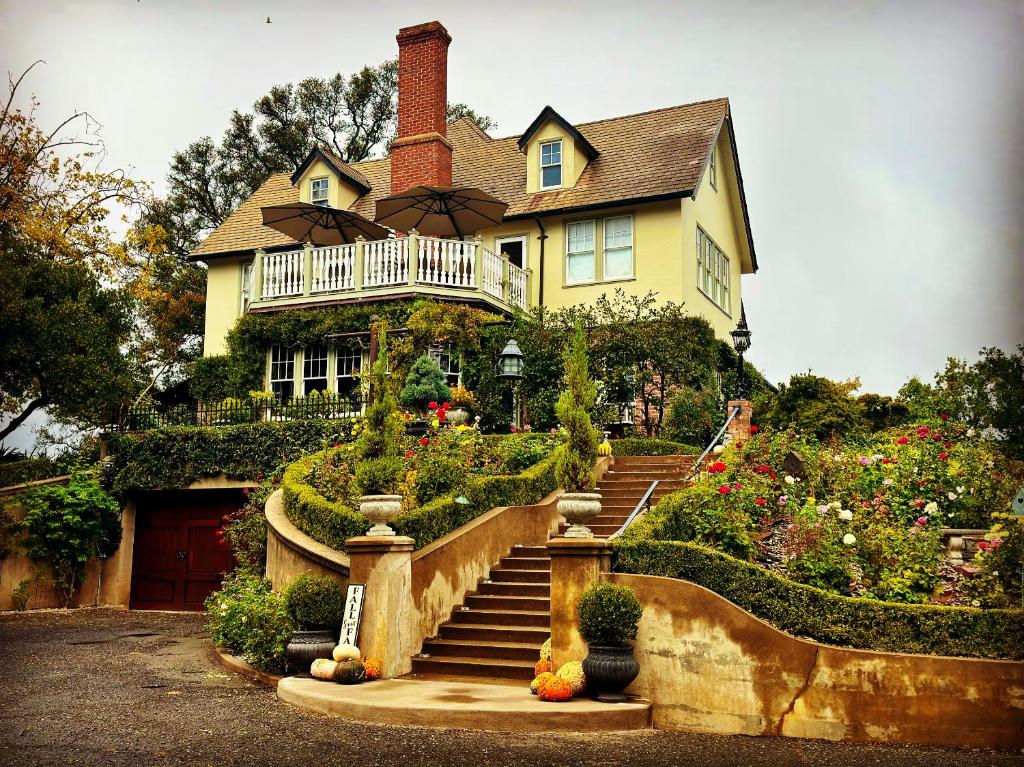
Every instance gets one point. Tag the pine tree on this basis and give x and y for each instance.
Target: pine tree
(424, 384)
(575, 470)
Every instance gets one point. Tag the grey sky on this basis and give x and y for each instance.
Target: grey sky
(882, 143)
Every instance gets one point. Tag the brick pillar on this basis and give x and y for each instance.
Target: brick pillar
(576, 564)
(422, 154)
(384, 565)
(739, 428)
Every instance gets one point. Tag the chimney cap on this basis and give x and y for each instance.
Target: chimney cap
(425, 31)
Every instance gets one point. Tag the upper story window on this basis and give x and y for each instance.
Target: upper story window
(551, 164)
(314, 369)
(318, 191)
(713, 169)
(713, 271)
(448, 362)
(282, 372)
(579, 252)
(246, 286)
(618, 247)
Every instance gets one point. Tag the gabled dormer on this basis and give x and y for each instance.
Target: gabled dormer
(323, 179)
(556, 153)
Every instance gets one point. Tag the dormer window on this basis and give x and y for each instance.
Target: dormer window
(551, 164)
(318, 191)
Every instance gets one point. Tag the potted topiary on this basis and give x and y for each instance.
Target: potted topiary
(464, 404)
(425, 385)
(575, 468)
(608, 616)
(316, 604)
(379, 470)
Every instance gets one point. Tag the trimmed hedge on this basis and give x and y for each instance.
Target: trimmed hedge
(177, 456)
(29, 470)
(333, 523)
(652, 446)
(830, 618)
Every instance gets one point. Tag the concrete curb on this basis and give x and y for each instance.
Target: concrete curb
(238, 666)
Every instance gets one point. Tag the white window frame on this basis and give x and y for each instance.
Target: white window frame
(559, 164)
(275, 367)
(713, 169)
(499, 241)
(325, 200)
(248, 269)
(607, 248)
(569, 252)
(308, 360)
(448, 361)
(348, 366)
(714, 272)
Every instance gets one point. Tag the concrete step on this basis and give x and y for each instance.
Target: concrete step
(496, 602)
(490, 615)
(484, 632)
(515, 589)
(463, 666)
(501, 575)
(529, 551)
(628, 461)
(525, 563)
(487, 649)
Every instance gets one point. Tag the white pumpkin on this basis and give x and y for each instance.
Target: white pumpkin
(323, 668)
(346, 652)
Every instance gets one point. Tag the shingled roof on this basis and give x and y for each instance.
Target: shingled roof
(647, 156)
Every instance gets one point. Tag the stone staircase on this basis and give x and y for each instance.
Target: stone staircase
(498, 632)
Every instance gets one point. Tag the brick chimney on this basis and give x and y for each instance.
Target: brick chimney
(421, 154)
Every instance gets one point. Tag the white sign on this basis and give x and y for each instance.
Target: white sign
(353, 614)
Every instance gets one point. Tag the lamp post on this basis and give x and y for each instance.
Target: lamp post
(510, 368)
(741, 342)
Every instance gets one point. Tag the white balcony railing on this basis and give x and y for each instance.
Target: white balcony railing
(461, 265)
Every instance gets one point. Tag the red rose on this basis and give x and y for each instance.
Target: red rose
(944, 416)
(920, 483)
(441, 416)
(763, 469)
(947, 444)
(760, 501)
(724, 489)
(409, 453)
(922, 430)
(943, 456)
(936, 436)
(755, 429)
(902, 441)
(918, 503)
(982, 545)
(773, 475)
(432, 405)
(717, 467)
(735, 485)
(424, 441)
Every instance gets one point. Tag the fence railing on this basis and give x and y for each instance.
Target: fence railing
(229, 412)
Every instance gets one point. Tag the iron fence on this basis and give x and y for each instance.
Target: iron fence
(229, 412)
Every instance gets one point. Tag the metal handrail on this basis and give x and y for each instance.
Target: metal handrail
(711, 446)
(644, 501)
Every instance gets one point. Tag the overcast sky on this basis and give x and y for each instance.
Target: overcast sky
(882, 143)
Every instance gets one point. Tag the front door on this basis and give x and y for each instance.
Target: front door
(514, 248)
(179, 559)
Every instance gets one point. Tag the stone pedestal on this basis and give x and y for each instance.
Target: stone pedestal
(576, 564)
(384, 565)
(739, 427)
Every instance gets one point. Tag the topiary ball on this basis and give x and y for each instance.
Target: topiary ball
(541, 680)
(555, 690)
(349, 672)
(372, 667)
(572, 672)
(545, 649)
(541, 667)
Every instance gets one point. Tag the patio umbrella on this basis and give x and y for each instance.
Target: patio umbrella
(319, 224)
(441, 211)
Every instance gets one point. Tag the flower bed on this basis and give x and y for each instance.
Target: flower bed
(441, 470)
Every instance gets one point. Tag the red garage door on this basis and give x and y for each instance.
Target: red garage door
(179, 559)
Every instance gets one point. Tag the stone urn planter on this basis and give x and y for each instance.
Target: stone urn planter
(609, 671)
(380, 509)
(307, 646)
(458, 416)
(578, 509)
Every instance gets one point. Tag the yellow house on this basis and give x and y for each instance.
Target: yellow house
(644, 202)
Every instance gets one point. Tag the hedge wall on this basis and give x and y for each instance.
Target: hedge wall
(176, 456)
(333, 523)
(29, 470)
(830, 618)
(652, 446)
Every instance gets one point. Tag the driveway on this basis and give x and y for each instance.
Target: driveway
(111, 687)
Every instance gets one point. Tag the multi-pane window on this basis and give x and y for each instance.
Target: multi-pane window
(713, 271)
(349, 366)
(282, 372)
(314, 369)
(579, 254)
(618, 247)
(551, 164)
(246, 285)
(713, 170)
(318, 191)
(448, 362)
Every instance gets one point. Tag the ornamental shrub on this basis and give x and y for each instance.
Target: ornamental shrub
(246, 618)
(701, 513)
(694, 416)
(315, 601)
(609, 614)
(384, 426)
(576, 466)
(379, 476)
(652, 446)
(424, 384)
(27, 470)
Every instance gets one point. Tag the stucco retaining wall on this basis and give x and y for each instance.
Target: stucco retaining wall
(290, 552)
(708, 665)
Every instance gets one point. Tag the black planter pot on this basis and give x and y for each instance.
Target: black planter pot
(305, 647)
(416, 428)
(609, 670)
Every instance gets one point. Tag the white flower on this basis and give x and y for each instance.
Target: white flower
(931, 508)
(887, 481)
(877, 457)
(823, 509)
(790, 480)
(837, 458)
(951, 495)
(849, 539)
(836, 505)
(975, 603)
(970, 432)
(846, 515)
(960, 488)
(718, 449)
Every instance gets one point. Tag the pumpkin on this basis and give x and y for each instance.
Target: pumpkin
(605, 448)
(555, 690)
(541, 667)
(537, 683)
(346, 652)
(572, 672)
(323, 668)
(349, 672)
(372, 666)
(545, 649)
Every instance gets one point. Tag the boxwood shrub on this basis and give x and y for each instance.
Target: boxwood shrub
(830, 618)
(652, 446)
(28, 470)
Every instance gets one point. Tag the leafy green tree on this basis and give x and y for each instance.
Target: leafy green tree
(818, 406)
(575, 469)
(882, 412)
(424, 384)
(694, 417)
